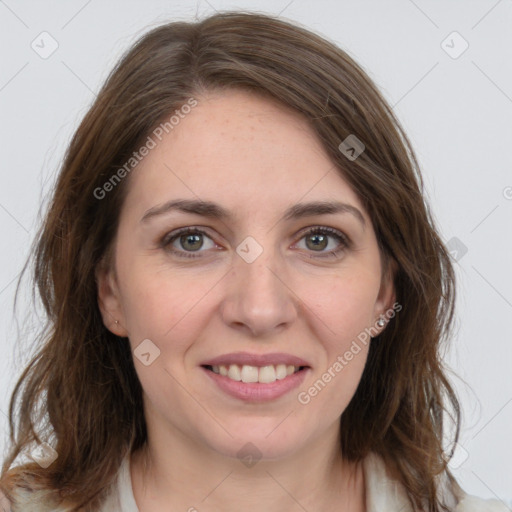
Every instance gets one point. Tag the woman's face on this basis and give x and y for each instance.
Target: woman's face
(250, 282)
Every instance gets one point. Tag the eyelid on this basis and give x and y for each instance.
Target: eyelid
(168, 239)
(343, 240)
(327, 230)
(175, 233)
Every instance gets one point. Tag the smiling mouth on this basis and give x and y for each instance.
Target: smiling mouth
(255, 374)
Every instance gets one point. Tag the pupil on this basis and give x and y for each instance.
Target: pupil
(322, 244)
(195, 240)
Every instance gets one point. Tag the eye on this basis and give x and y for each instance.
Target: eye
(317, 239)
(186, 241)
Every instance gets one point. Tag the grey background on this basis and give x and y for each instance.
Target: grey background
(457, 110)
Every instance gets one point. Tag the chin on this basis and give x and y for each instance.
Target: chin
(260, 441)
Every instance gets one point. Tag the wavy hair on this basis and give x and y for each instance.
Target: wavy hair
(82, 379)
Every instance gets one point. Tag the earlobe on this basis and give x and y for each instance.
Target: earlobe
(109, 301)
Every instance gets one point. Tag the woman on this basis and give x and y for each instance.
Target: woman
(288, 358)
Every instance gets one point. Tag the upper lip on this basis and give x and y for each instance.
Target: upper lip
(245, 358)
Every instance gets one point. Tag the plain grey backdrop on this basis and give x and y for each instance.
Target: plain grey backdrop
(444, 66)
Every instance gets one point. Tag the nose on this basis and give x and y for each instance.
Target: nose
(260, 299)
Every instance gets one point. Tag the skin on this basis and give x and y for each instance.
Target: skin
(256, 159)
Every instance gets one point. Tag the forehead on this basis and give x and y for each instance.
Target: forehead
(239, 149)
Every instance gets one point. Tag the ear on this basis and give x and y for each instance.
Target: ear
(385, 305)
(109, 299)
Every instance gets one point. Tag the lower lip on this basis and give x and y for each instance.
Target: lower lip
(255, 391)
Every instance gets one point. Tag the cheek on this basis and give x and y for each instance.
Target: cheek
(342, 305)
(167, 309)
(339, 314)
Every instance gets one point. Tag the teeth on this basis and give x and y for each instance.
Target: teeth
(263, 375)
(267, 374)
(234, 372)
(249, 373)
(281, 372)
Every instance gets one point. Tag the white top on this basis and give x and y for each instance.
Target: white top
(382, 493)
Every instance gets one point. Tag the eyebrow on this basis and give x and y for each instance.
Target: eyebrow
(215, 211)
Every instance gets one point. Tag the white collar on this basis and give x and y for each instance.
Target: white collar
(382, 492)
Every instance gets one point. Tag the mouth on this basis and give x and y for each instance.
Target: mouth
(256, 377)
(255, 384)
(255, 374)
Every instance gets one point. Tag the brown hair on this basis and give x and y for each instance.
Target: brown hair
(83, 379)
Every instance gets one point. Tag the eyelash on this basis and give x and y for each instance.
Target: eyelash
(169, 238)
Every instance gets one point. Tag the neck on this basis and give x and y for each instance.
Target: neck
(192, 479)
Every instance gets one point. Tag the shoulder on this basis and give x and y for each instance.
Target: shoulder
(383, 492)
(473, 504)
(468, 503)
(23, 496)
(24, 500)
(5, 504)
(19, 492)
